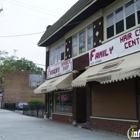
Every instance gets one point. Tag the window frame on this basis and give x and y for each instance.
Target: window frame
(124, 18)
(80, 41)
(61, 93)
(53, 54)
(86, 40)
(92, 37)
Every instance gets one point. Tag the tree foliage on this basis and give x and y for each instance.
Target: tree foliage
(36, 102)
(24, 65)
(12, 63)
(5, 65)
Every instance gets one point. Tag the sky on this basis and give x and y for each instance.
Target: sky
(22, 23)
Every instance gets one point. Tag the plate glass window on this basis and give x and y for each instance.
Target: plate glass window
(63, 102)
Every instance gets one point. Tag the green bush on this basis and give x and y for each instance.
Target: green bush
(36, 102)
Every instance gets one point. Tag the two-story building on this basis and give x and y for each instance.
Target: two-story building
(93, 67)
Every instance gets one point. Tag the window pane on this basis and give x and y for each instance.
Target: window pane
(120, 26)
(74, 46)
(119, 14)
(129, 8)
(74, 51)
(82, 42)
(110, 31)
(62, 56)
(138, 4)
(63, 102)
(110, 20)
(90, 38)
(62, 48)
(58, 57)
(130, 21)
(138, 14)
(51, 61)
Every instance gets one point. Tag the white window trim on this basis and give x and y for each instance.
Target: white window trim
(124, 14)
(53, 56)
(86, 41)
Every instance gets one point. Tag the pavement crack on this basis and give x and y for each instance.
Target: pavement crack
(2, 138)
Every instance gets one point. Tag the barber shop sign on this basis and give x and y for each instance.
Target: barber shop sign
(118, 47)
(60, 68)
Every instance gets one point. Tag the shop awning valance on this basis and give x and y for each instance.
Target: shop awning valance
(63, 82)
(111, 71)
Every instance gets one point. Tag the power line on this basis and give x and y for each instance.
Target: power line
(23, 34)
(31, 8)
(40, 8)
(28, 14)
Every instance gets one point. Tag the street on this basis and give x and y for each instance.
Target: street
(14, 126)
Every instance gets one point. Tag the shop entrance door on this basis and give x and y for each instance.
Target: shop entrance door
(81, 105)
(50, 105)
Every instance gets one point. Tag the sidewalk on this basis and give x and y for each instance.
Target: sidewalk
(14, 126)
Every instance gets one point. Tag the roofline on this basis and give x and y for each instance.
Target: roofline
(67, 22)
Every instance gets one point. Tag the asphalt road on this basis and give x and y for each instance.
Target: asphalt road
(14, 126)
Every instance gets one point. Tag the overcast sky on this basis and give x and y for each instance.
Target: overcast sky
(20, 18)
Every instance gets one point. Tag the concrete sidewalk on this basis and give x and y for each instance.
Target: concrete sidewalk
(14, 126)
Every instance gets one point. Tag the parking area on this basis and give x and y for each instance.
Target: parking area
(15, 126)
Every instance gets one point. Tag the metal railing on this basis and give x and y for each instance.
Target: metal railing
(34, 110)
(10, 106)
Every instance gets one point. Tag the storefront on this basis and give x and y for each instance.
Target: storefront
(113, 85)
(59, 91)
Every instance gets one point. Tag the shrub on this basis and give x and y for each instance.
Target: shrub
(36, 102)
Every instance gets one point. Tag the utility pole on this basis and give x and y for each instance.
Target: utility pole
(1, 9)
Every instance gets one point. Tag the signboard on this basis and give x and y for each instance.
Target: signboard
(103, 53)
(64, 98)
(129, 42)
(118, 47)
(60, 68)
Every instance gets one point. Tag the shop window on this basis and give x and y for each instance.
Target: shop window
(57, 54)
(90, 38)
(123, 18)
(74, 45)
(63, 102)
(82, 47)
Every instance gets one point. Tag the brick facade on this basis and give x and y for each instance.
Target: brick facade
(112, 125)
(62, 118)
(19, 90)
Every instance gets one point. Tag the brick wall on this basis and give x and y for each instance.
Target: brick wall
(19, 90)
(62, 118)
(111, 125)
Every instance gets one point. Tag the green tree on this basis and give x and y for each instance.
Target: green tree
(24, 65)
(12, 63)
(5, 66)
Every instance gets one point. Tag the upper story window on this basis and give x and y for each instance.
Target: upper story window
(90, 38)
(138, 10)
(123, 18)
(57, 54)
(74, 45)
(82, 42)
(82, 47)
